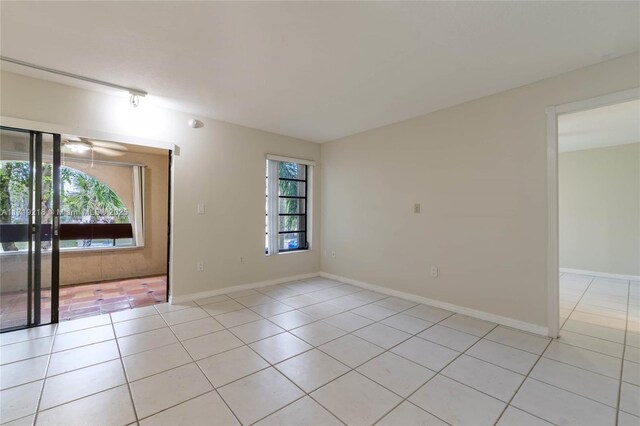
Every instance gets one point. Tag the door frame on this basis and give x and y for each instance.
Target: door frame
(553, 249)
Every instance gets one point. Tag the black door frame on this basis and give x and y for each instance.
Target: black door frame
(35, 229)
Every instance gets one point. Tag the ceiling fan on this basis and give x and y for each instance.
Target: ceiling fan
(82, 145)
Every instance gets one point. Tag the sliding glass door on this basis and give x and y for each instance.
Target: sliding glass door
(29, 219)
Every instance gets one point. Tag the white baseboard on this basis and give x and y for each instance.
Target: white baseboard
(601, 274)
(509, 322)
(216, 292)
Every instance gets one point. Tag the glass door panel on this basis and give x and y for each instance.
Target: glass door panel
(29, 203)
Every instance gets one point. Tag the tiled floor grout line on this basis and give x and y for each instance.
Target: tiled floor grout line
(526, 376)
(202, 372)
(624, 348)
(577, 302)
(440, 372)
(44, 380)
(322, 320)
(124, 372)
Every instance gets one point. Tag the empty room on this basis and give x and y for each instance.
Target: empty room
(320, 213)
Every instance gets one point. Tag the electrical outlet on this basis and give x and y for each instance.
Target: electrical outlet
(200, 208)
(200, 266)
(416, 208)
(434, 271)
(333, 253)
(241, 259)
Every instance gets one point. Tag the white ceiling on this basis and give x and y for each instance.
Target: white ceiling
(317, 70)
(612, 125)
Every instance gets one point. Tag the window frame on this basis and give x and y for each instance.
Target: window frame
(273, 214)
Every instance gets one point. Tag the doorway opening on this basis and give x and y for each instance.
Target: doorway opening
(98, 241)
(594, 220)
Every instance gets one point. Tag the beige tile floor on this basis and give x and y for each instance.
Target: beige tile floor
(319, 352)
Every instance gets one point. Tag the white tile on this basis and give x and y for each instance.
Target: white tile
(594, 330)
(138, 325)
(292, 319)
(19, 401)
(256, 330)
(212, 299)
(427, 354)
(232, 319)
(271, 309)
(317, 333)
(449, 337)
(168, 307)
(144, 341)
(456, 403)
(304, 411)
(488, 378)
(407, 323)
(373, 312)
(626, 419)
(631, 373)
(468, 325)
(577, 380)
(409, 414)
(382, 335)
(395, 304)
(561, 407)
(129, 314)
(145, 364)
(515, 417)
(84, 356)
(601, 320)
(632, 354)
(83, 323)
(356, 400)
(583, 358)
(347, 302)
(27, 334)
(155, 393)
(198, 411)
(184, 315)
(259, 395)
(369, 296)
(321, 310)
(280, 347)
(197, 328)
(80, 383)
(21, 372)
(504, 356)
(23, 421)
(396, 373)
(348, 322)
(242, 293)
(211, 344)
(630, 398)
(312, 369)
(25, 350)
(254, 300)
(592, 343)
(518, 339)
(224, 307)
(112, 407)
(351, 350)
(300, 301)
(428, 313)
(231, 365)
(83, 337)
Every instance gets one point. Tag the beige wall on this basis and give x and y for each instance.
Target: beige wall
(479, 171)
(599, 194)
(222, 165)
